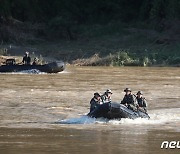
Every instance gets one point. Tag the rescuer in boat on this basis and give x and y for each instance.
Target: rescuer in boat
(142, 103)
(129, 100)
(26, 59)
(106, 97)
(35, 62)
(95, 101)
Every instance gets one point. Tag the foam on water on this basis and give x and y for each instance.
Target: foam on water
(32, 71)
(80, 120)
(158, 117)
(64, 72)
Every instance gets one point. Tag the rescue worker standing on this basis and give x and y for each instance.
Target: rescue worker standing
(106, 97)
(142, 103)
(95, 101)
(129, 100)
(26, 59)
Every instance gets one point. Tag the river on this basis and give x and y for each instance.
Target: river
(46, 113)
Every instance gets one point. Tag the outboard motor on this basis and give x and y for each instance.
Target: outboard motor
(55, 67)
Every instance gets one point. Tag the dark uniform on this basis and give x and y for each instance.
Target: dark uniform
(130, 101)
(35, 62)
(26, 60)
(94, 103)
(142, 104)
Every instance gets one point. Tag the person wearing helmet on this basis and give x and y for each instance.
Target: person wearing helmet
(26, 59)
(129, 100)
(95, 101)
(142, 103)
(106, 97)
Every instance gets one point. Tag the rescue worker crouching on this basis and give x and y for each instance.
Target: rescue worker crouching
(35, 62)
(142, 103)
(95, 101)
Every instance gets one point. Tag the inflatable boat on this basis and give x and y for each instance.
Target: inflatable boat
(53, 67)
(116, 111)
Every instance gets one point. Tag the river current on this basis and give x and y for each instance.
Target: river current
(46, 113)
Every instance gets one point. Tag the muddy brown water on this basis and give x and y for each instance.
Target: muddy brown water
(45, 113)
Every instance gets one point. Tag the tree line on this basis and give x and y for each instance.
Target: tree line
(59, 16)
(89, 11)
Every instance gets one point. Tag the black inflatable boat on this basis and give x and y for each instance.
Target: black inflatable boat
(53, 67)
(116, 111)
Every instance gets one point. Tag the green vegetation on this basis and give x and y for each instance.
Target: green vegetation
(96, 32)
(123, 58)
(3, 51)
